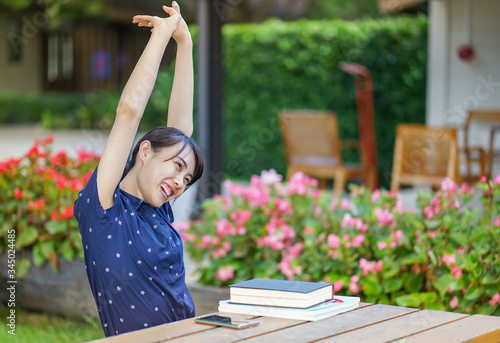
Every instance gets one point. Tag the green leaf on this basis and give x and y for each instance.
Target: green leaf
(22, 267)
(392, 285)
(473, 293)
(443, 284)
(47, 249)
(411, 259)
(26, 237)
(67, 251)
(409, 300)
(459, 238)
(56, 227)
(38, 258)
(428, 297)
(414, 283)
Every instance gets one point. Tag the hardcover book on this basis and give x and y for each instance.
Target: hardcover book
(320, 311)
(284, 293)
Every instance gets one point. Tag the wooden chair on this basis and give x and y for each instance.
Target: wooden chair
(313, 146)
(474, 154)
(424, 156)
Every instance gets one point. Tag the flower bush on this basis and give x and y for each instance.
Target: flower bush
(443, 255)
(37, 192)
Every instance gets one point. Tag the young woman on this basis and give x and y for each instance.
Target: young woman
(133, 256)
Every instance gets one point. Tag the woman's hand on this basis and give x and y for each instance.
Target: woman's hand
(182, 33)
(170, 24)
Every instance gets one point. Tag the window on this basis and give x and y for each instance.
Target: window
(15, 39)
(60, 56)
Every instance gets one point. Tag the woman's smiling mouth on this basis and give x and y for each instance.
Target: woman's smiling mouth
(166, 191)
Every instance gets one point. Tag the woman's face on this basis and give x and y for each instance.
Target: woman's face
(164, 178)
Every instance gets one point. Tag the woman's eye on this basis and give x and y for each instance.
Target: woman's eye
(187, 180)
(178, 165)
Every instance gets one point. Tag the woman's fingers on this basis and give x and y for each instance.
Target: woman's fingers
(176, 7)
(142, 20)
(171, 10)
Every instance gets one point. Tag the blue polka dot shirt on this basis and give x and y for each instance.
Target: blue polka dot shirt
(134, 261)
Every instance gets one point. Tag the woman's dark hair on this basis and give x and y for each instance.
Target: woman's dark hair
(164, 137)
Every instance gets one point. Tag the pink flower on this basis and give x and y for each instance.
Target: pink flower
(428, 212)
(241, 230)
(283, 205)
(384, 217)
(483, 179)
(354, 286)
(345, 204)
(457, 272)
(181, 226)
(240, 217)
(219, 252)
(225, 273)
(496, 180)
(375, 195)
(270, 177)
(358, 240)
(497, 221)
(295, 250)
(449, 259)
(255, 181)
(448, 185)
(337, 286)
(495, 299)
(309, 230)
(433, 234)
(206, 241)
(381, 245)
(223, 227)
(454, 302)
(333, 241)
(397, 235)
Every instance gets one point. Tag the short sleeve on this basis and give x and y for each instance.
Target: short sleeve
(88, 204)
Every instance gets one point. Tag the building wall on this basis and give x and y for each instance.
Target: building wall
(455, 86)
(25, 74)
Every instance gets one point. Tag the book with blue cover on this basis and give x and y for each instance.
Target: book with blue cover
(284, 293)
(324, 310)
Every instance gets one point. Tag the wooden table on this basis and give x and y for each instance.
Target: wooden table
(367, 323)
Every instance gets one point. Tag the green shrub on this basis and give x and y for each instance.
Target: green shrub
(37, 192)
(442, 256)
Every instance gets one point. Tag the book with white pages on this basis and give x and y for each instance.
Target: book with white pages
(324, 310)
(284, 293)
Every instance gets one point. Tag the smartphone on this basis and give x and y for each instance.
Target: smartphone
(230, 322)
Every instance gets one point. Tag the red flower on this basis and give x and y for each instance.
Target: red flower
(67, 213)
(18, 194)
(48, 140)
(54, 215)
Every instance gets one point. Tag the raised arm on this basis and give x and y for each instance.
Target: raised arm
(180, 108)
(132, 103)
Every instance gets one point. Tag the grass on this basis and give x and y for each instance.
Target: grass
(34, 327)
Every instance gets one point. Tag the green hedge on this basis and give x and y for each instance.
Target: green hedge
(279, 65)
(271, 66)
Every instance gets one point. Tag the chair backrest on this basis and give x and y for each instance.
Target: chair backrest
(424, 156)
(310, 138)
(484, 115)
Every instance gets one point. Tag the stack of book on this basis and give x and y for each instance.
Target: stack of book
(299, 300)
